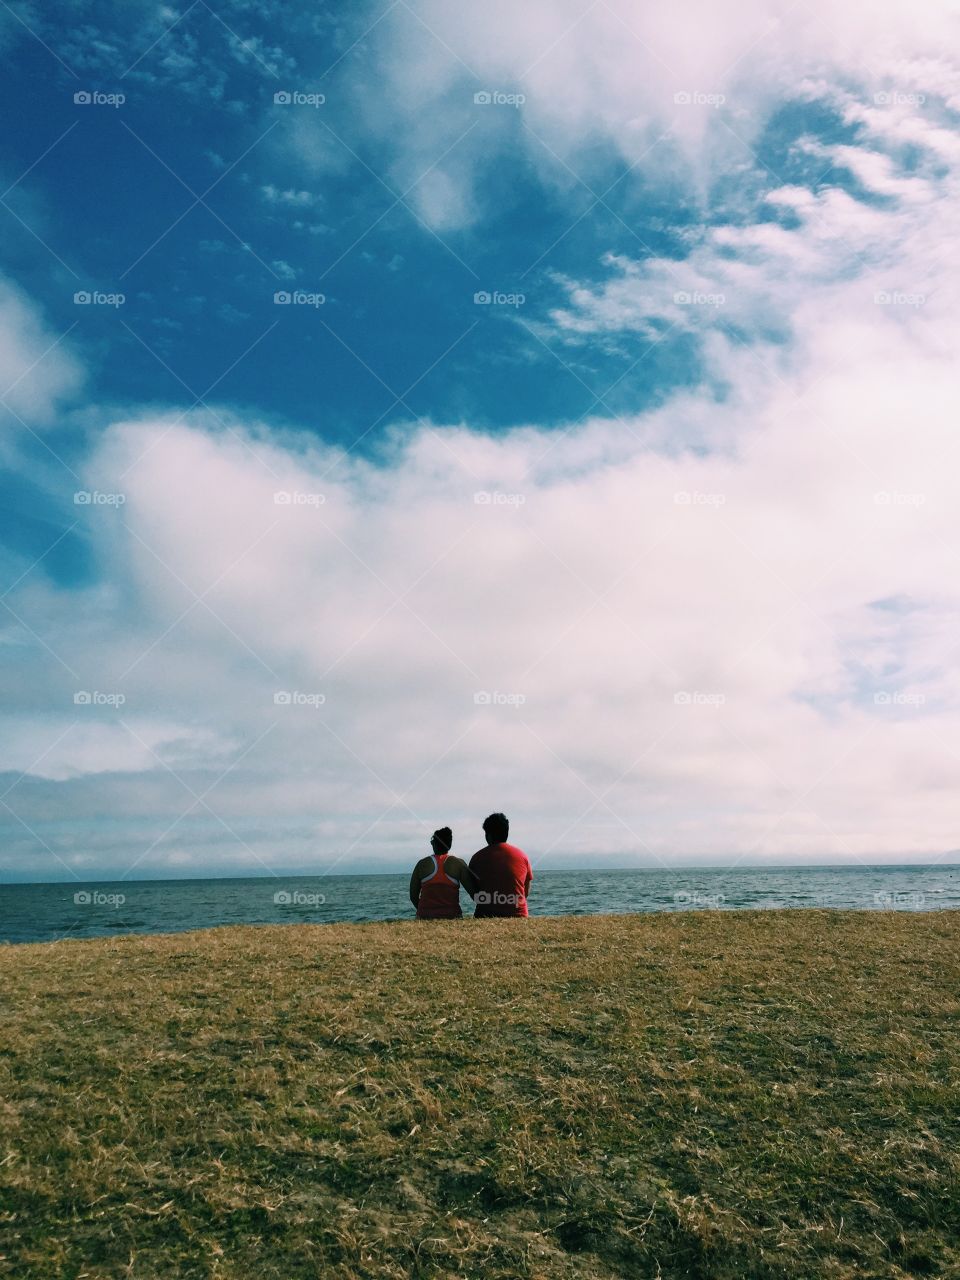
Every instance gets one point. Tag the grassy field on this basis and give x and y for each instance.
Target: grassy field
(700, 1094)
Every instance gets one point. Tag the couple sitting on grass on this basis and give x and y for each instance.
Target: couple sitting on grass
(497, 878)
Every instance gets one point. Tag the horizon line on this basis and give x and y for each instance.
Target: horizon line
(401, 870)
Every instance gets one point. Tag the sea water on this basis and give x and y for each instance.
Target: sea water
(47, 912)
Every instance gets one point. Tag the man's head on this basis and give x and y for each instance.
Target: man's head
(496, 828)
(442, 840)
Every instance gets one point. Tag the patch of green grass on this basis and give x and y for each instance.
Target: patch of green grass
(770, 1094)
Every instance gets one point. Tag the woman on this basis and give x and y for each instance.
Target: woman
(436, 880)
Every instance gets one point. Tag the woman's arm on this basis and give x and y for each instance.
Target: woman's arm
(464, 875)
(419, 871)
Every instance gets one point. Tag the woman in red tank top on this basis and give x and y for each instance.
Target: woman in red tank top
(436, 880)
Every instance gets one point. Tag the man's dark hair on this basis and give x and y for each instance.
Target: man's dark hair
(496, 828)
(444, 837)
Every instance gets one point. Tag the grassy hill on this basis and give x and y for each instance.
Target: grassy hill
(709, 1095)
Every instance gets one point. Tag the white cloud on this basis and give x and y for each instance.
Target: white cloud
(776, 577)
(877, 270)
(37, 368)
(90, 746)
(608, 76)
(291, 196)
(731, 619)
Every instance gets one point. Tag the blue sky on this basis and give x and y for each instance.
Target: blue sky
(114, 192)
(708, 245)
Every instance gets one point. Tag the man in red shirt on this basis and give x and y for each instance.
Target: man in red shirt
(502, 871)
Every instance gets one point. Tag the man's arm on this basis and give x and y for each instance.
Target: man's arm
(526, 887)
(474, 867)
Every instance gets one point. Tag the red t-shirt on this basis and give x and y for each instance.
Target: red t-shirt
(504, 873)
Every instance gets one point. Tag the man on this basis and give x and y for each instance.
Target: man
(502, 871)
(436, 880)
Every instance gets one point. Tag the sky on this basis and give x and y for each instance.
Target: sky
(416, 409)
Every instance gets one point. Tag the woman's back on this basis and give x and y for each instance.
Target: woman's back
(439, 891)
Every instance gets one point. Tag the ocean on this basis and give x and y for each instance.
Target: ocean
(48, 912)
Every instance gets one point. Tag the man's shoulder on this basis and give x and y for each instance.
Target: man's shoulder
(499, 855)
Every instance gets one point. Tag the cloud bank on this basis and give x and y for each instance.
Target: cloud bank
(724, 628)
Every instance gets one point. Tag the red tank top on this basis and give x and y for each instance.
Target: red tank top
(439, 894)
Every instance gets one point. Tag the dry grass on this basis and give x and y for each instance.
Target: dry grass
(720, 1095)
